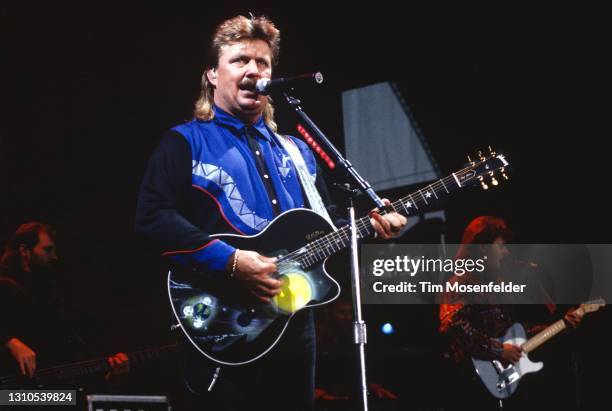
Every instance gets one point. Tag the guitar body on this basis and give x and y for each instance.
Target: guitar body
(225, 322)
(503, 381)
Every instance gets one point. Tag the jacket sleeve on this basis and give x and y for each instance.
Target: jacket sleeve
(163, 193)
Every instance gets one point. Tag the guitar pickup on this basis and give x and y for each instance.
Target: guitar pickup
(513, 377)
(507, 376)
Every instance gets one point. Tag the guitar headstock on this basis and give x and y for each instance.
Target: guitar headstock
(593, 305)
(485, 170)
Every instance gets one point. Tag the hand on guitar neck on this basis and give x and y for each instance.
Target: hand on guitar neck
(388, 226)
(26, 359)
(119, 368)
(511, 354)
(573, 317)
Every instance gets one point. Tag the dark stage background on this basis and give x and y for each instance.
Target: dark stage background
(87, 91)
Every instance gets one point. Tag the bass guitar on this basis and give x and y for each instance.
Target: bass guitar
(67, 373)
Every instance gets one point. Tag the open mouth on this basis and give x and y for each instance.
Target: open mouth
(247, 86)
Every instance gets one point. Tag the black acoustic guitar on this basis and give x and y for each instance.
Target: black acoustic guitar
(228, 326)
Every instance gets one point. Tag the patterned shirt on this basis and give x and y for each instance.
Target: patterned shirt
(473, 329)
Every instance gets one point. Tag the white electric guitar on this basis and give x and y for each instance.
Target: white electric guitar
(502, 381)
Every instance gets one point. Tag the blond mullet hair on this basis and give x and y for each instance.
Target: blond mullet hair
(229, 32)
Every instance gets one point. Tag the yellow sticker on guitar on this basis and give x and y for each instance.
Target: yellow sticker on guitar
(295, 293)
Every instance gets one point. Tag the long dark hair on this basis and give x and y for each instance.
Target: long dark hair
(482, 230)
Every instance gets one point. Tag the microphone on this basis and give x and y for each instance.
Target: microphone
(265, 86)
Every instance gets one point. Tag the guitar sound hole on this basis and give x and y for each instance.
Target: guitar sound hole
(245, 319)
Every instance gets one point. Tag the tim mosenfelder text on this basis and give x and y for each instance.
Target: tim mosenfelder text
(429, 287)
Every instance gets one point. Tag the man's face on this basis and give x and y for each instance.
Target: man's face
(42, 256)
(240, 66)
(496, 253)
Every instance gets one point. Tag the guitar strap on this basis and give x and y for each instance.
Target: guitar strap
(306, 179)
(314, 198)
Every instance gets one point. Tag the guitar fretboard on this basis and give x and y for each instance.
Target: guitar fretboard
(81, 369)
(336, 241)
(543, 336)
(554, 329)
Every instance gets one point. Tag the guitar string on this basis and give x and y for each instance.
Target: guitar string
(320, 245)
(435, 187)
(342, 235)
(135, 356)
(331, 239)
(54, 370)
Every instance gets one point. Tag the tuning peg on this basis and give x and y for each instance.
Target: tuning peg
(484, 185)
(494, 181)
(470, 160)
(505, 176)
(493, 153)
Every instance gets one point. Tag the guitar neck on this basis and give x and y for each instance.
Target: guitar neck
(57, 374)
(82, 369)
(543, 336)
(550, 331)
(336, 241)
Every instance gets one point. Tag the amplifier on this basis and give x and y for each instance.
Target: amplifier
(97, 402)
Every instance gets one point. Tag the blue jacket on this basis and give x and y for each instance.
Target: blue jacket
(203, 179)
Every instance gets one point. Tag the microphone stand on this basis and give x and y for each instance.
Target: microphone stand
(359, 326)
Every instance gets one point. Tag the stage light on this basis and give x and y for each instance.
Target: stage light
(387, 329)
